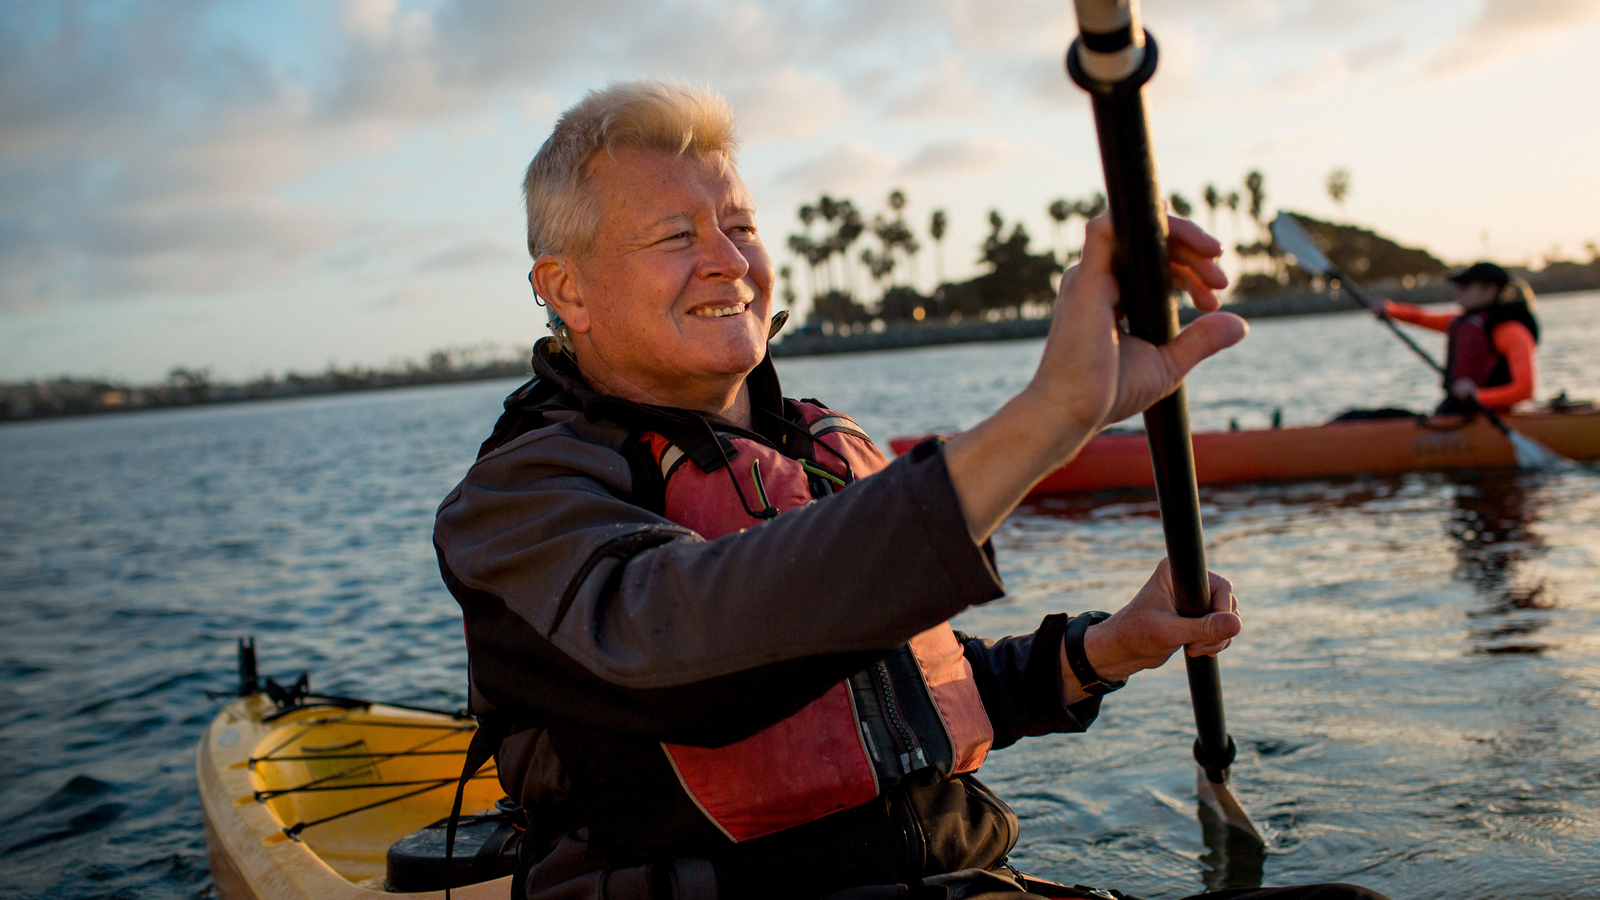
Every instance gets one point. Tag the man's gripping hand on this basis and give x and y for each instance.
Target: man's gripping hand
(1148, 630)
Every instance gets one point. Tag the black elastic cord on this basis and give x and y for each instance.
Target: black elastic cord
(294, 830)
(727, 463)
(849, 475)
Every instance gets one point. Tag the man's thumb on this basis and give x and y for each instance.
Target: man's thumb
(1216, 627)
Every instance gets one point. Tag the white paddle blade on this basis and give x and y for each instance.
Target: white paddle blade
(1533, 455)
(1293, 239)
(1220, 800)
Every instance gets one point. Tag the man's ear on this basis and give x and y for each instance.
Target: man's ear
(553, 281)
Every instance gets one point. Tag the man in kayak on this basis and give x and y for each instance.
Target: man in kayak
(714, 651)
(1493, 340)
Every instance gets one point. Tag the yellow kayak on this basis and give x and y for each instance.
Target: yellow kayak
(331, 798)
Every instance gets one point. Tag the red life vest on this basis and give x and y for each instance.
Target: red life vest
(1472, 353)
(915, 711)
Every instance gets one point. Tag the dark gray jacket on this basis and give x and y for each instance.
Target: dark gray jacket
(601, 628)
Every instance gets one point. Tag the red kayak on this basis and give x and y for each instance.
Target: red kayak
(1359, 447)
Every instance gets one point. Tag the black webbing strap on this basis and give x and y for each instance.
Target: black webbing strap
(485, 741)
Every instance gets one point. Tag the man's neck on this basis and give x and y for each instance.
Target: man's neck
(731, 404)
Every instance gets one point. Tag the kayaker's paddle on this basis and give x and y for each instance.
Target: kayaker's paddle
(1112, 59)
(1295, 241)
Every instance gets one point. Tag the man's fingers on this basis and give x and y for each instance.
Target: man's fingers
(1203, 266)
(1222, 599)
(1184, 235)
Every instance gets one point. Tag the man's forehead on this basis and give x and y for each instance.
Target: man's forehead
(661, 174)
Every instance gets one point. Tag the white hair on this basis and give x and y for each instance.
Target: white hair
(672, 117)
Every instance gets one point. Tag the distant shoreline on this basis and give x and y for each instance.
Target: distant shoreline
(1305, 303)
(64, 398)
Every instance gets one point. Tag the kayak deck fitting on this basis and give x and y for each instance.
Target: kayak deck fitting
(304, 799)
(1383, 446)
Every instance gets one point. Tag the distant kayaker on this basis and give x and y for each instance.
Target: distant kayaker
(1493, 340)
(708, 624)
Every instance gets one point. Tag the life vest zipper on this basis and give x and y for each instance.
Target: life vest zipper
(911, 754)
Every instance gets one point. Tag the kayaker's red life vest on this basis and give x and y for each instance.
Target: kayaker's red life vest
(1473, 354)
(918, 710)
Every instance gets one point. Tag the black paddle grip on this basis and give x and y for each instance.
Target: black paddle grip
(1144, 278)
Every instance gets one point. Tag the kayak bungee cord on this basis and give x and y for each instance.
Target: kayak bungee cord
(292, 832)
(369, 760)
(353, 770)
(1111, 59)
(1294, 240)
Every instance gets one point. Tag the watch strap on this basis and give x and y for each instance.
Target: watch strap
(1072, 642)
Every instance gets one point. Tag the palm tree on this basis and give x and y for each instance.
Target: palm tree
(850, 229)
(1060, 214)
(1255, 183)
(801, 245)
(1339, 187)
(904, 239)
(936, 228)
(1213, 200)
(1180, 205)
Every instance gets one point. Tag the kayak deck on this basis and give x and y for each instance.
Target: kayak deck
(1338, 449)
(305, 802)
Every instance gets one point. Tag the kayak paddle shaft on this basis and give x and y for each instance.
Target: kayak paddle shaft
(1112, 59)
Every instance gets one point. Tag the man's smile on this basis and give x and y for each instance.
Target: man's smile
(717, 312)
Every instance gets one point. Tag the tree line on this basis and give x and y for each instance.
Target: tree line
(858, 270)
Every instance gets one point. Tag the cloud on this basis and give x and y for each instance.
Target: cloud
(412, 297)
(1508, 26)
(944, 91)
(1020, 28)
(1289, 144)
(467, 256)
(851, 166)
(788, 104)
(1332, 68)
(956, 159)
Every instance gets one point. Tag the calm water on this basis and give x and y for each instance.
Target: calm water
(1417, 695)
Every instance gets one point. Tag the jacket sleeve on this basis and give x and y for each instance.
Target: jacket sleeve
(1515, 342)
(1019, 679)
(1416, 315)
(582, 607)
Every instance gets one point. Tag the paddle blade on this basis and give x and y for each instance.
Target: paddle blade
(1219, 799)
(1294, 240)
(1533, 455)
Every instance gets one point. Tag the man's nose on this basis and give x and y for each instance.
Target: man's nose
(722, 259)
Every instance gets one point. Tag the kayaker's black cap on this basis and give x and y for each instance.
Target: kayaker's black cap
(1482, 273)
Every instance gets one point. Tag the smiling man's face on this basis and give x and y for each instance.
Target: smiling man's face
(675, 298)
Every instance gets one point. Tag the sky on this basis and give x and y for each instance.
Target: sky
(256, 186)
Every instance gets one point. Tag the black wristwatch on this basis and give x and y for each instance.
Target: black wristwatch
(1088, 678)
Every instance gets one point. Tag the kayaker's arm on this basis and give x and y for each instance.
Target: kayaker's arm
(1416, 315)
(1020, 681)
(1091, 375)
(1028, 687)
(1515, 342)
(583, 607)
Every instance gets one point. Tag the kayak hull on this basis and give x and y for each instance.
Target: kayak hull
(1338, 449)
(356, 757)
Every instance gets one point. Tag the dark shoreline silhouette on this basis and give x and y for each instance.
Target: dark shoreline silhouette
(56, 398)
